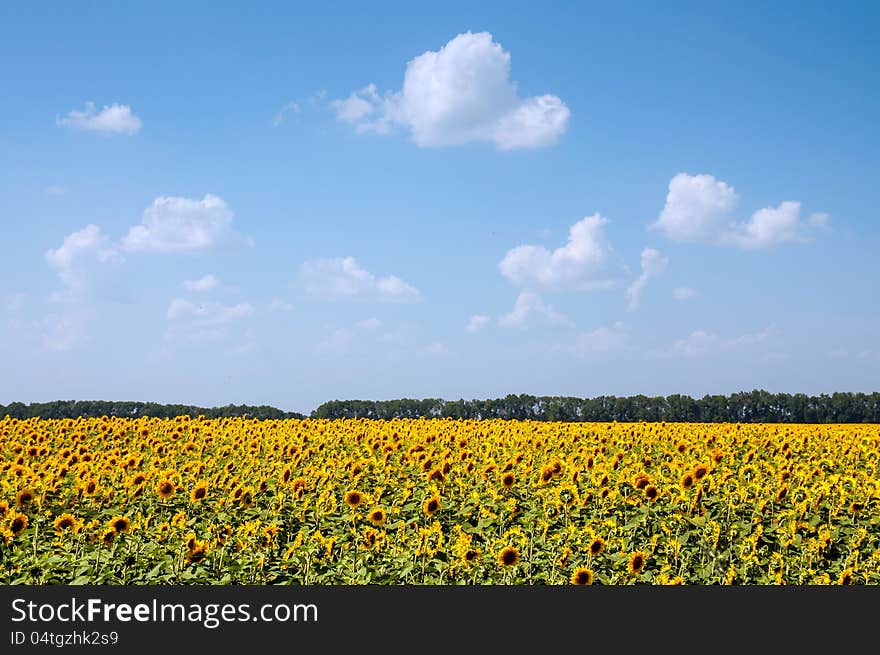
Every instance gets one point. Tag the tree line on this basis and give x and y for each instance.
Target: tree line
(745, 407)
(129, 409)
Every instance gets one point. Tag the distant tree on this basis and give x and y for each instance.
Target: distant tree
(747, 406)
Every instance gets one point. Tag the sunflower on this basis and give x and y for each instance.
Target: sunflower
(165, 488)
(24, 498)
(582, 576)
(298, 487)
(269, 534)
(120, 525)
(431, 506)
(223, 534)
(371, 538)
(17, 524)
(846, 578)
(597, 545)
(636, 562)
(247, 498)
(687, 481)
(509, 556)
(4, 508)
(197, 553)
(377, 516)
(162, 531)
(179, 520)
(564, 557)
(90, 488)
(137, 480)
(471, 556)
(651, 492)
(508, 480)
(700, 471)
(108, 536)
(641, 481)
(199, 492)
(353, 498)
(66, 522)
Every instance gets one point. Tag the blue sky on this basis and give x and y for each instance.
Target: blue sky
(287, 205)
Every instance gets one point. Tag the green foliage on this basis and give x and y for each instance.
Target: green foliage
(129, 409)
(745, 407)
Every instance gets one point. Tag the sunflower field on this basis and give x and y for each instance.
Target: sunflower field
(416, 501)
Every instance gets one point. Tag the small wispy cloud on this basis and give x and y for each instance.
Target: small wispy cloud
(202, 285)
(110, 120)
(289, 108)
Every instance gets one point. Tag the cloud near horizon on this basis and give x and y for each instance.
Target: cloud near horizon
(342, 277)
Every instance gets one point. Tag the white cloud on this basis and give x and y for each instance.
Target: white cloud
(697, 342)
(438, 348)
(459, 94)
(700, 208)
(653, 264)
(115, 119)
(768, 226)
(340, 339)
(751, 339)
(168, 225)
(203, 284)
(279, 305)
(697, 208)
(290, 107)
(600, 340)
(213, 323)
(341, 277)
(576, 264)
(209, 313)
(64, 331)
(358, 106)
(477, 322)
(75, 257)
(14, 303)
(700, 342)
(870, 355)
(819, 220)
(78, 262)
(528, 307)
(173, 224)
(87, 241)
(684, 293)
